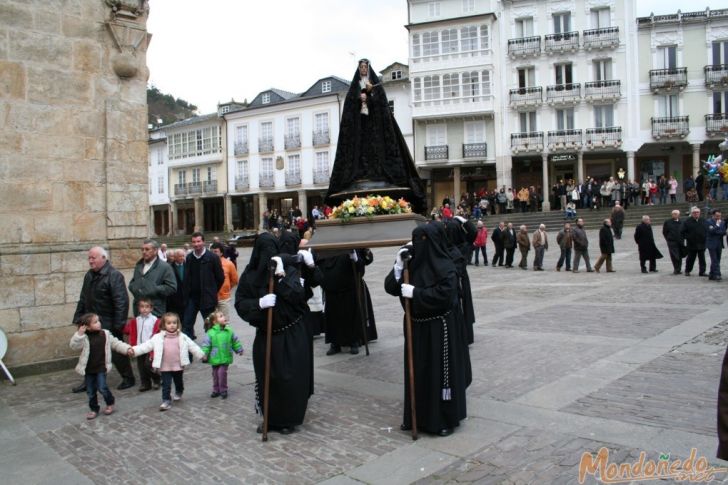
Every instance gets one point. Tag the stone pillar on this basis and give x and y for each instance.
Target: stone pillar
(151, 227)
(303, 203)
(545, 182)
(199, 214)
(630, 166)
(172, 218)
(228, 213)
(696, 159)
(262, 207)
(580, 166)
(456, 185)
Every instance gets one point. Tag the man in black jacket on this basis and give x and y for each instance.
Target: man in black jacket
(606, 246)
(671, 232)
(509, 243)
(104, 293)
(646, 243)
(203, 279)
(497, 238)
(694, 232)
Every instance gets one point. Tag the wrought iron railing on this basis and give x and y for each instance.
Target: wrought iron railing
(242, 182)
(292, 141)
(265, 145)
(599, 90)
(209, 186)
(526, 96)
(561, 42)
(524, 46)
(716, 74)
(564, 139)
(241, 148)
(293, 178)
(180, 189)
(321, 176)
(475, 150)
(266, 180)
(527, 141)
(563, 93)
(321, 137)
(668, 79)
(670, 127)
(610, 135)
(601, 38)
(436, 152)
(194, 187)
(716, 123)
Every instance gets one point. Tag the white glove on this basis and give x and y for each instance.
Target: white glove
(279, 266)
(353, 256)
(267, 301)
(307, 257)
(461, 219)
(407, 290)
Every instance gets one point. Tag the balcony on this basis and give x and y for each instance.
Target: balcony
(716, 124)
(266, 180)
(565, 140)
(667, 80)
(524, 46)
(604, 38)
(293, 178)
(527, 142)
(292, 142)
(209, 187)
(242, 182)
(526, 97)
(321, 176)
(436, 152)
(563, 94)
(716, 75)
(194, 188)
(241, 149)
(566, 42)
(602, 91)
(475, 150)
(265, 145)
(670, 127)
(180, 189)
(599, 138)
(321, 138)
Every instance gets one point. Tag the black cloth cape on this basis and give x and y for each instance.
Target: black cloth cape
(342, 310)
(289, 241)
(371, 147)
(437, 333)
(646, 242)
(461, 239)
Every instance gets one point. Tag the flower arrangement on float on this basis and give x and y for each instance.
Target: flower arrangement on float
(369, 206)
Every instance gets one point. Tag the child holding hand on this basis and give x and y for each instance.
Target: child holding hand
(171, 355)
(219, 344)
(138, 330)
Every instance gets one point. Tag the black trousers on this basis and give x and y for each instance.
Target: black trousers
(146, 376)
(509, 256)
(692, 253)
(643, 263)
(498, 256)
(120, 361)
(675, 256)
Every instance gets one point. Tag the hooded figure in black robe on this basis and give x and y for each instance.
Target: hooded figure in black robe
(461, 236)
(371, 153)
(342, 309)
(440, 353)
(290, 379)
(289, 240)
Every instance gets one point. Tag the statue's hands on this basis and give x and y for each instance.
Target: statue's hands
(363, 97)
(369, 86)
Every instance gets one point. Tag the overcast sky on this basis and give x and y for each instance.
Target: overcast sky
(212, 51)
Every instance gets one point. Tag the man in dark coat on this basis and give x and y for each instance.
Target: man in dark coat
(104, 293)
(290, 372)
(176, 302)
(646, 244)
(343, 311)
(509, 243)
(439, 351)
(581, 246)
(153, 279)
(497, 237)
(606, 246)
(617, 220)
(714, 243)
(204, 277)
(371, 152)
(694, 232)
(671, 232)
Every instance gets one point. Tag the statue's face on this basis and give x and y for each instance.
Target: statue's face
(363, 69)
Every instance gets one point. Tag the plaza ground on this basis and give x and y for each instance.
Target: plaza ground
(563, 364)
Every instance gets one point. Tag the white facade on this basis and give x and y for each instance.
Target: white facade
(395, 78)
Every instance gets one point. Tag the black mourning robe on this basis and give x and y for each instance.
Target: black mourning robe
(342, 310)
(371, 147)
(723, 410)
(440, 351)
(290, 375)
(461, 237)
(289, 242)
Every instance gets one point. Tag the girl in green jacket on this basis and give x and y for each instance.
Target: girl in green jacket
(219, 344)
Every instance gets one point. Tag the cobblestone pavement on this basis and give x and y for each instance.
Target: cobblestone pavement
(563, 364)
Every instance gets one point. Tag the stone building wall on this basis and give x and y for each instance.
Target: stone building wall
(73, 159)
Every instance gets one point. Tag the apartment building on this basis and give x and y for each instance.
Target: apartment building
(396, 81)
(160, 212)
(683, 91)
(281, 149)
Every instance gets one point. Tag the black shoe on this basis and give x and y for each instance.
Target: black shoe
(590, 271)
(653, 271)
(703, 275)
(677, 271)
(333, 349)
(223, 395)
(215, 394)
(80, 388)
(354, 349)
(405, 427)
(259, 429)
(126, 384)
(286, 430)
(145, 388)
(445, 432)
(644, 270)
(687, 273)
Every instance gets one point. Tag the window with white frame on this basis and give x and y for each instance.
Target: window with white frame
(266, 166)
(241, 135)
(456, 87)
(720, 102)
(668, 106)
(197, 142)
(562, 22)
(160, 157)
(225, 109)
(450, 86)
(433, 8)
(565, 119)
(294, 164)
(563, 73)
(474, 132)
(430, 43)
(195, 175)
(211, 174)
(484, 37)
(468, 6)
(471, 86)
(436, 135)
(416, 48)
(431, 87)
(666, 57)
(602, 69)
(266, 131)
(600, 18)
(326, 87)
(449, 39)
(604, 116)
(469, 38)
(485, 82)
(720, 52)
(293, 126)
(321, 122)
(526, 77)
(266, 98)
(527, 121)
(322, 162)
(524, 27)
(417, 89)
(160, 184)
(181, 177)
(394, 75)
(242, 168)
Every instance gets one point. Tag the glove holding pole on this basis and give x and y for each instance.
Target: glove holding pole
(274, 266)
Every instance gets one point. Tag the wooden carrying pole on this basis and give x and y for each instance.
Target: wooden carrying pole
(361, 300)
(268, 339)
(410, 346)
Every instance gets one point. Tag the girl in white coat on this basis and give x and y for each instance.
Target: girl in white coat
(171, 355)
